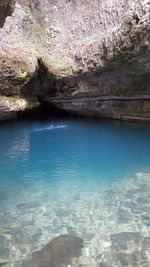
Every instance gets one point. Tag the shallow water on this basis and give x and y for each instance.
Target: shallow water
(88, 178)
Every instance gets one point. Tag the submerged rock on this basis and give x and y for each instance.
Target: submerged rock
(130, 249)
(62, 251)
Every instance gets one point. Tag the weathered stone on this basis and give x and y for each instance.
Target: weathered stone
(123, 108)
(10, 105)
(74, 48)
(61, 251)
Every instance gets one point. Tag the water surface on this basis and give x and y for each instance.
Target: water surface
(88, 178)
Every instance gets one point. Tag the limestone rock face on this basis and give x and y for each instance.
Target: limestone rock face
(10, 106)
(103, 41)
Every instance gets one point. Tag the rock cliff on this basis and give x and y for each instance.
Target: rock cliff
(55, 50)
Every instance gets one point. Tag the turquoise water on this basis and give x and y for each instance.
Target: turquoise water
(60, 151)
(54, 173)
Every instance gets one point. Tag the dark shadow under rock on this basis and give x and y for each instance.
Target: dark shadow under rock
(6, 9)
(60, 252)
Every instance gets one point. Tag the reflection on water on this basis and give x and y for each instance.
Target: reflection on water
(19, 148)
(85, 179)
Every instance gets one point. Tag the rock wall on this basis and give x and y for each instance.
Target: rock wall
(74, 48)
(123, 108)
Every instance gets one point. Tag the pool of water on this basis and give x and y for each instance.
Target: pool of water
(87, 178)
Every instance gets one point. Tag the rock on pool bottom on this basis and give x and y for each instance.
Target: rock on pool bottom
(86, 178)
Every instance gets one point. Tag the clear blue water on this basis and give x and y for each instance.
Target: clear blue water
(59, 151)
(53, 165)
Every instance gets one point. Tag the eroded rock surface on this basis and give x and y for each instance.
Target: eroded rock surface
(124, 108)
(10, 106)
(106, 42)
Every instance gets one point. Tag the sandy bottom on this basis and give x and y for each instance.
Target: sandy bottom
(113, 221)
